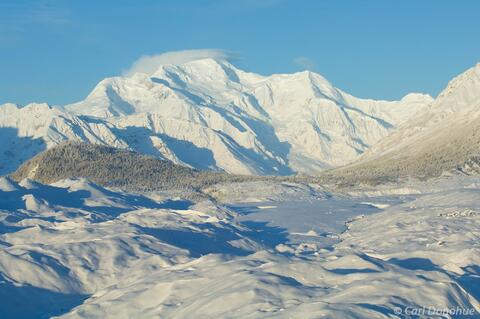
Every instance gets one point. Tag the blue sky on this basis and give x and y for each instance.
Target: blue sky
(56, 51)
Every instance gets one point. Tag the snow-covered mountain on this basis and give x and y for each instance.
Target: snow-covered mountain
(208, 114)
(444, 137)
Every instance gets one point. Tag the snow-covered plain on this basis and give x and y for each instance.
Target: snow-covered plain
(77, 250)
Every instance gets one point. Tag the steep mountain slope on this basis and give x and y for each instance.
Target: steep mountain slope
(445, 138)
(208, 114)
(268, 125)
(26, 131)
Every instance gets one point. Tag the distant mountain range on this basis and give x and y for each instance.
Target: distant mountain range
(209, 115)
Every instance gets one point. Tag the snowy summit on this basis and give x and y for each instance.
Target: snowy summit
(208, 114)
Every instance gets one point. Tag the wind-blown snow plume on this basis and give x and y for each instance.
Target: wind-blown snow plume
(150, 63)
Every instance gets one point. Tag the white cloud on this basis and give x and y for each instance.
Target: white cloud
(150, 63)
(304, 63)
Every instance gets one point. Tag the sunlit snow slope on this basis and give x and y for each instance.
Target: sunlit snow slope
(208, 114)
(442, 139)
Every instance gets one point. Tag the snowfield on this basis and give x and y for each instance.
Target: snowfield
(76, 250)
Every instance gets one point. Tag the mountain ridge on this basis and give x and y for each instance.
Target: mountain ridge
(208, 114)
(443, 139)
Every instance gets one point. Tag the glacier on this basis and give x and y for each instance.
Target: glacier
(74, 249)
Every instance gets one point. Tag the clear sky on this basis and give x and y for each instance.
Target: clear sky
(56, 51)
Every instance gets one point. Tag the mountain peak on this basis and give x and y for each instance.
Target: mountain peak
(440, 140)
(414, 97)
(38, 107)
(209, 62)
(31, 108)
(210, 68)
(9, 105)
(471, 74)
(208, 114)
(461, 91)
